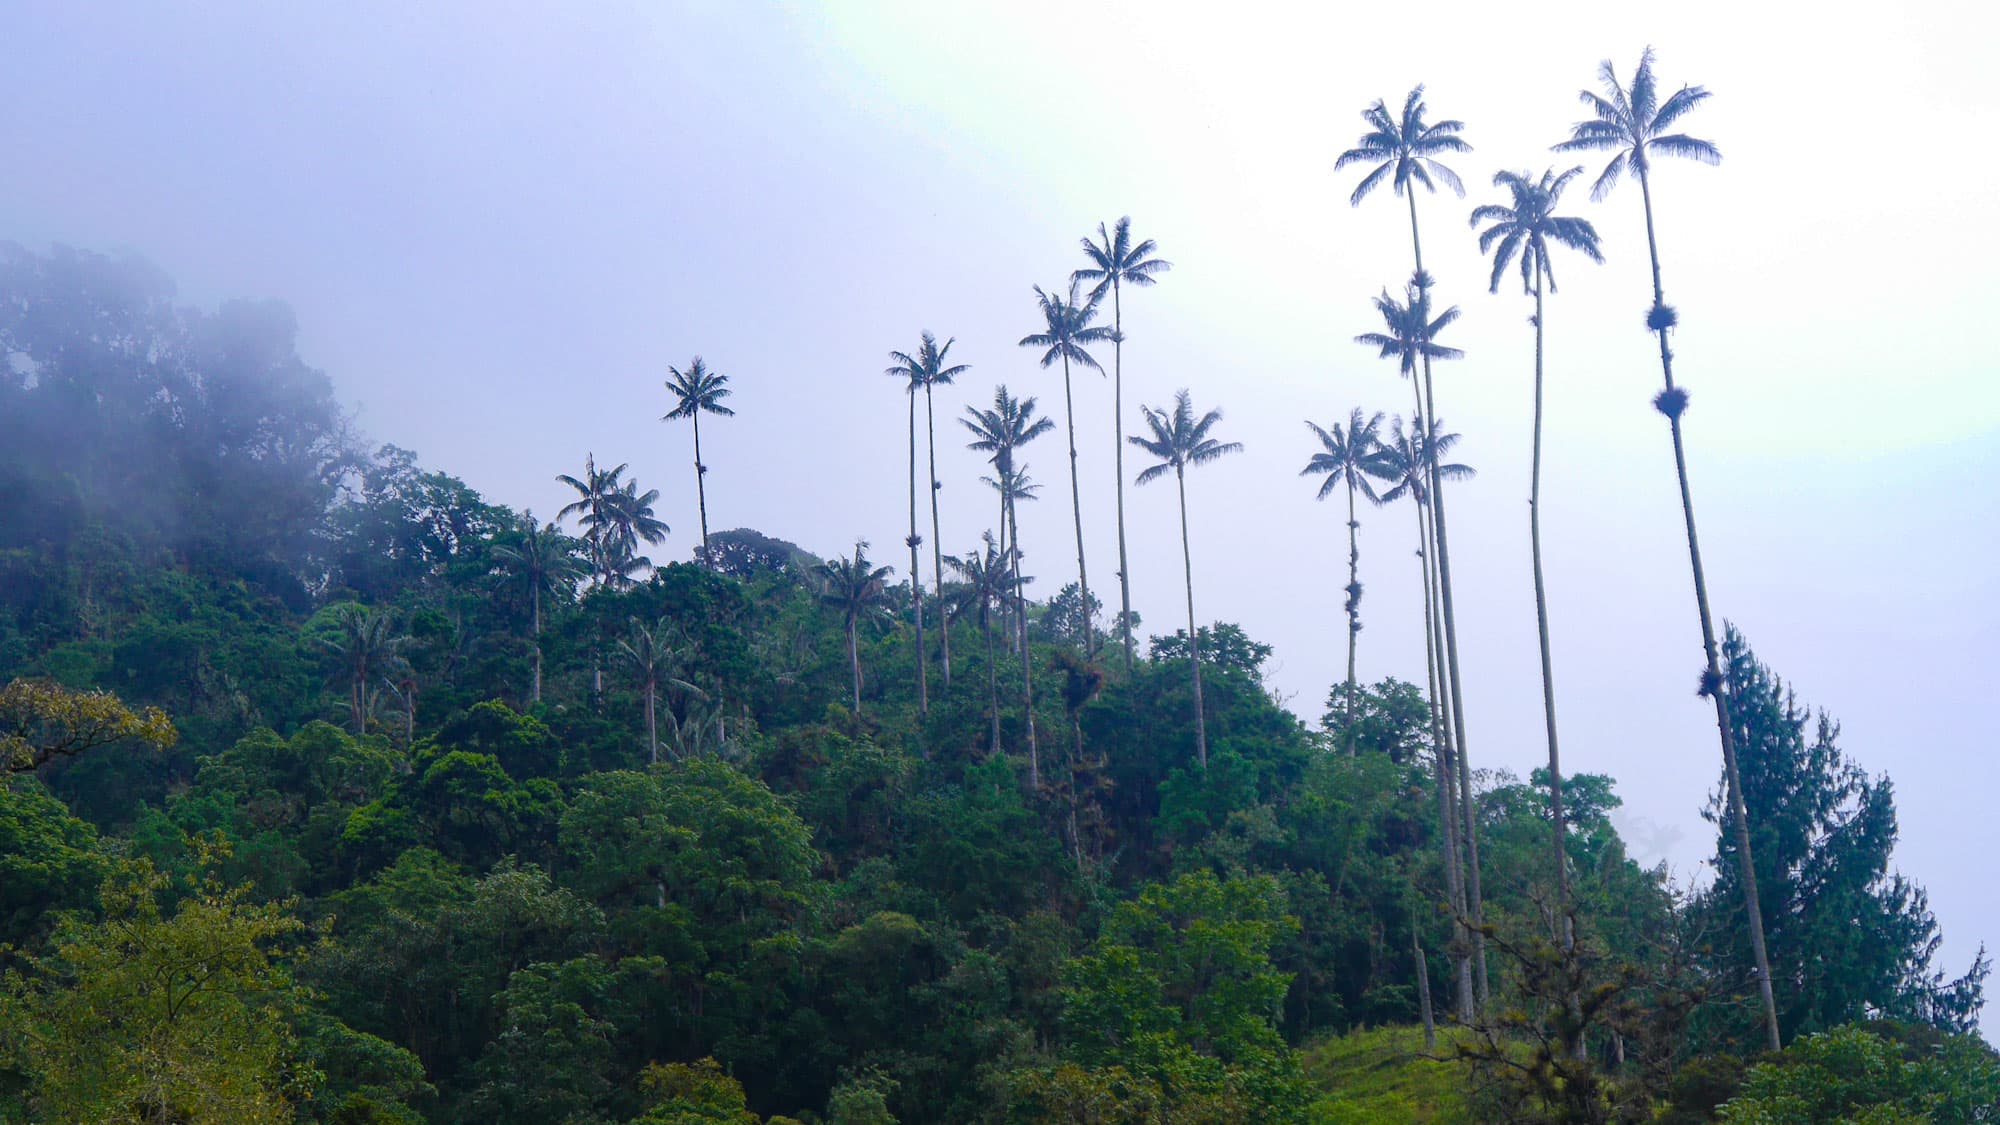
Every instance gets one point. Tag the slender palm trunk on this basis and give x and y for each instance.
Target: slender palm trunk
(652, 727)
(937, 545)
(1076, 509)
(854, 662)
(992, 673)
(1447, 782)
(356, 709)
(1712, 678)
(1194, 636)
(1118, 466)
(1423, 985)
(916, 575)
(1542, 627)
(535, 678)
(1353, 603)
(701, 488)
(1452, 680)
(1027, 669)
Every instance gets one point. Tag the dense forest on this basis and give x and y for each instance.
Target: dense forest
(337, 791)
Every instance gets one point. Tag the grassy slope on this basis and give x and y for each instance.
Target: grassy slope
(1380, 1077)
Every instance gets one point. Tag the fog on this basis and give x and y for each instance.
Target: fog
(497, 226)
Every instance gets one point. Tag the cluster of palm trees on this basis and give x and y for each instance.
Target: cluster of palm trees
(1635, 124)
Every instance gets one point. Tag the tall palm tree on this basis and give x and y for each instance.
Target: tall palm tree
(1180, 440)
(1523, 229)
(630, 520)
(858, 589)
(1410, 338)
(1014, 487)
(1410, 461)
(1405, 152)
(1066, 330)
(588, 508)
(1350, 456)
(987, 581)
(1631, 122)
(928, 368)
(656, 663)
(1001, 433)
(542, 559)
(365, 640)
(1117, 261)
(914, 382)
(698, 391)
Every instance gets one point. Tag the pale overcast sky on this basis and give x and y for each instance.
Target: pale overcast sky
(498, 223)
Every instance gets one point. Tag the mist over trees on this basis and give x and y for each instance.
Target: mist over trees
(337, 791)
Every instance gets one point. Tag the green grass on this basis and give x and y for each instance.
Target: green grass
(1380, 1077)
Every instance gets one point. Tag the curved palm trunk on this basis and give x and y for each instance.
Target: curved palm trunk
(535, 679)
(1076, 509)
(1475, 902)
(1194, 636)
(854, 662)
(916, 575)
(1712, 674)
(1542, 627)
(1118, 466)
(701, 488)
(1447, 787)
(652, 727)
(937, 545)
(1027, 668)
(1353, 604)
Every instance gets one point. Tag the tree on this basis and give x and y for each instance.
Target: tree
(1117, 261)
(1410, 461)
(364, 640)
(589, 508)
(987, 582)
(156, 1015)
(1001, 433)
(1067, 329)
(1410, 338)
(1847, 937)
(1524, 228)
(1860, 1074)
(629, 514)
(656, 664)
(542, 559)
(927, 368)
(1632, 122)
(857, 588)
(1180, 440)
(41, 721)
(1349, 456)
(698, 391)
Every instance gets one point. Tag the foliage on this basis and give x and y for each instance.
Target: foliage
(1871, 1074)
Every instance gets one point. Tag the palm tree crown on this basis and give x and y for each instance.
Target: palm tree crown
(1633, 121)
(927, 367)
(1180, 439)
(855, 586)
(1526, 228)
(1116, 260)
(1067, 328)
(1411, 335)
(1008, 426)
(697, 391)
(1349, 455)
(1406, 458)
(1405, 149)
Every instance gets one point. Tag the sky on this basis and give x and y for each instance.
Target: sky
(499, 223)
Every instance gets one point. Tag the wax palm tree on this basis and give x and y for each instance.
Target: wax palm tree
(542, 559)
(1181, 440)
(1523, 229)
(366, 642)
(1632, 123)
(589, 508)
(1409, 461)
(1117, 261)
(1001, 433)
(914, 382)
(698, 391)
(1015, 487)
(1349, 456)
(858, 589)
(928, 367)
(1410, 338)
(987, 581)
(1066, 330)
(656, 663)
(1405, 152)
(629, 519)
